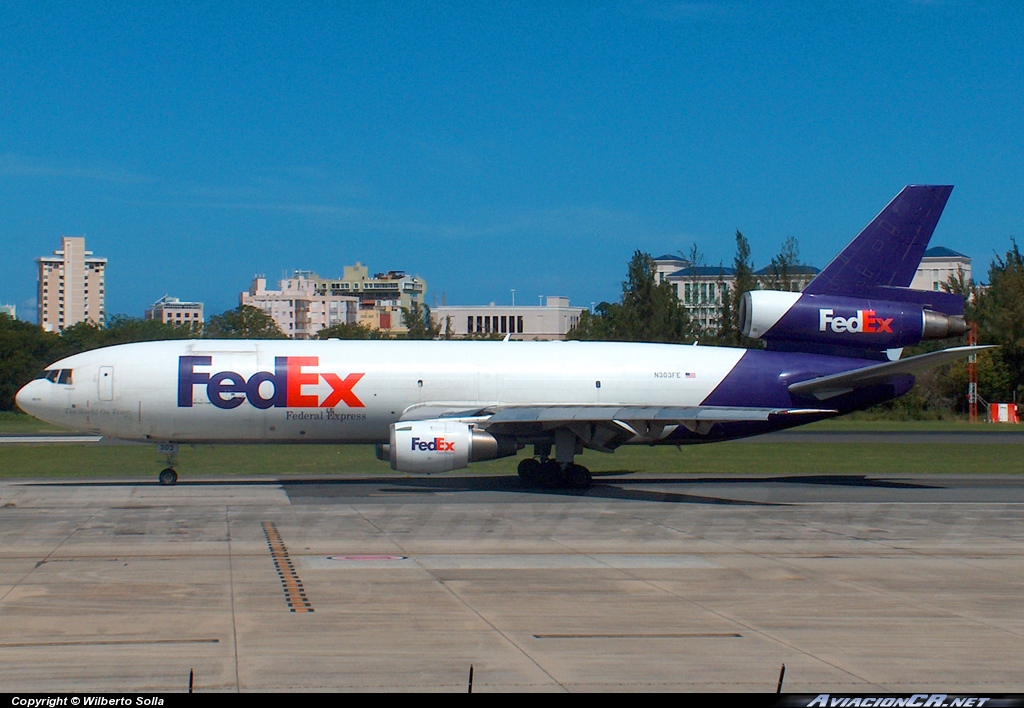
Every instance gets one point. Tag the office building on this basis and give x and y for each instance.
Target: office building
(552, 320)
(938, 265)
(703, 289)
(171, 310)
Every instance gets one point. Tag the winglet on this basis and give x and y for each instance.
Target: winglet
(888, 251)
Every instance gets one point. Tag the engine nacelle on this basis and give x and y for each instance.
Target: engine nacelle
(428, 446)
(843, 321)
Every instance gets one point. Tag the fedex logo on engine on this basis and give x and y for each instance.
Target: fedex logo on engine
(435, 445)
(864, 321)
(281, 389)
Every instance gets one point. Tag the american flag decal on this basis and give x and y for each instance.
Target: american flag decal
(691, 375)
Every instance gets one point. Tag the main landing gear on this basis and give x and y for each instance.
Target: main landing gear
(559, 473)
(170, 451)
(549, 474)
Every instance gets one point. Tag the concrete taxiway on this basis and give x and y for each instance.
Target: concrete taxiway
(391, 584)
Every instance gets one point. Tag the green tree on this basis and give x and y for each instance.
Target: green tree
(244, 322)
(25, 350)
(695, 298)
(596, 325)
(122, 329)
(346, 331)
(648, 312)
(999, 312)
(744, 281)
(81, 337)
(779, 275)
(419, 323)
(445, 327)
(725, 319)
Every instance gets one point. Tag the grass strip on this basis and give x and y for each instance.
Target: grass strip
(225, 461)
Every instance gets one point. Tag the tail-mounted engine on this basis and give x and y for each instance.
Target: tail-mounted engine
(863, 323)
(428, 446)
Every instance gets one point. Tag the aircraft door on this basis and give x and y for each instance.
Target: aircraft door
(105, 381)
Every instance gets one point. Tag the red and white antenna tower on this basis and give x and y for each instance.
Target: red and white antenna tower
(972, 373)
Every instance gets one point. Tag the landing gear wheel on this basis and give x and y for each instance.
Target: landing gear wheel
(530, 472)
(551, 476)
(168, 477)
(578, 477)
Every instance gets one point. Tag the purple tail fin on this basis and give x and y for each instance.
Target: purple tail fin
(888, 251)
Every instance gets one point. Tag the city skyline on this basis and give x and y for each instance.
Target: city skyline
(492, 148)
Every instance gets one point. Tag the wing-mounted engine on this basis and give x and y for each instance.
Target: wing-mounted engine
(429, 446)
(888, 318)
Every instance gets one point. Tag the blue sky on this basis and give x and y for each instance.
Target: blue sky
(485, 147)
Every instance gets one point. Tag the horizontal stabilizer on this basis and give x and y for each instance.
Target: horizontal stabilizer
(826, 387)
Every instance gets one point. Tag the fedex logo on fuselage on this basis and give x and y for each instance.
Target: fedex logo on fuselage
(435, 445)
(864, 321)
(284, 389)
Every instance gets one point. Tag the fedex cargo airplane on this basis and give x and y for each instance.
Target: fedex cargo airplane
(440, 405)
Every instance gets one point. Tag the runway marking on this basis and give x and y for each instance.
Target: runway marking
(108, 643)
(48, 439)
(294, 592)
(678, 635)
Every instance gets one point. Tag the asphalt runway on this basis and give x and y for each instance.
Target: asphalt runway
(394, 584)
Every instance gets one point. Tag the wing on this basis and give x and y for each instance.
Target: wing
(826, 387)
(605, 428)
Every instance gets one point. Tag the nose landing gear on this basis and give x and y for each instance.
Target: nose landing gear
(170, 451)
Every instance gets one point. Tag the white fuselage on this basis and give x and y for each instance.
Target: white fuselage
(351, 391)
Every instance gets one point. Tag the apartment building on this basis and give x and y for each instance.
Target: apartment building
(381, 296)
(71, 286)
(298, 307)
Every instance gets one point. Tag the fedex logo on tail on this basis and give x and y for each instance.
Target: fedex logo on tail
(864, 321)
(284, 389)
(435, 445)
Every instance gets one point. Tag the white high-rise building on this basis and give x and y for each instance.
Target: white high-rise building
(72, 286)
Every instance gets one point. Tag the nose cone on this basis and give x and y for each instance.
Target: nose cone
(30, 399)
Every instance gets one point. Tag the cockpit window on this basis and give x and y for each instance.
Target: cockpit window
(60, 376)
